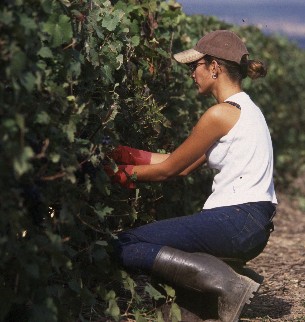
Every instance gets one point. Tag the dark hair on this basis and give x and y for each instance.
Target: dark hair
(237, 72)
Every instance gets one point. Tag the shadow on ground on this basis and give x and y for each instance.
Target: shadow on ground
(267, 306)
(196, 307)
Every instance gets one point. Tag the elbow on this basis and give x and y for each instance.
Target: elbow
(166, 176)
(184, 173)
(167, 172)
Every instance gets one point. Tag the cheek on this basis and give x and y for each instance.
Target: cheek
(202, 78)
(204, 83)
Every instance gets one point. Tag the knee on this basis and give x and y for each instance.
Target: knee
(123, 240)
(126, 238)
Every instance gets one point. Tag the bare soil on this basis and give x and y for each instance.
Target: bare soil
(282, 294)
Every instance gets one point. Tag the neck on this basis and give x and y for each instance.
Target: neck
(223, 90)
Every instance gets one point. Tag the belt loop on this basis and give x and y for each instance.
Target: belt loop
(272, 216)
(271, 225)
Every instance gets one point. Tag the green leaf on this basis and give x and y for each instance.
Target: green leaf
(27, 23)
(110, 295)
(70, 130)
(45, 52)
(119, 59)
(70, 175)
(54, 157)
(75, 69)
(155, 294)
(102, 243)
(113, 309)
(169, 290)
(54, 239)
(59, 28)
(135, 40)
(66, 3)
(28, 80)
(22, 161)
(47, 6)
(102, 211)
(160, 316)
(139, 317)
(43, 118)
(107, 72)
(6, 16)
(18, 63)
(175, 313)
(110, 22)
(71, 98)
(129, 283)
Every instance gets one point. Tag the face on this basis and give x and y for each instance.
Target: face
(202, 76)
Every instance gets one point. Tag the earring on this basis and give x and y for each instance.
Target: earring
(214, 76)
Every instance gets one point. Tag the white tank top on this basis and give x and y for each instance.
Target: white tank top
(243, 159)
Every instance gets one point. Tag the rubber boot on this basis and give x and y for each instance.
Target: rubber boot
(239, 267)
(206, 273)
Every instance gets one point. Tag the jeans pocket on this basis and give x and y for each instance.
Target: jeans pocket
(251, 239)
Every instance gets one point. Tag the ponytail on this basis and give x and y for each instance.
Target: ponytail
(256, 69)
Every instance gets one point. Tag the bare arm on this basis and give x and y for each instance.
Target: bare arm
(193, 166)
(159, 158)
(214, 124)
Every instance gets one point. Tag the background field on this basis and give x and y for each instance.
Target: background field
(272, 17)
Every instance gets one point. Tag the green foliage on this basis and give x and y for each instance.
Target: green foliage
(76, 79)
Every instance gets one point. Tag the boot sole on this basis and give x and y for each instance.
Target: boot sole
(246, 298)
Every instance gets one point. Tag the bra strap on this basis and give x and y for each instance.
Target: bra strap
(233, 103)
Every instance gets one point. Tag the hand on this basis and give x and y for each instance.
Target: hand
(121, 176)
(127, 155)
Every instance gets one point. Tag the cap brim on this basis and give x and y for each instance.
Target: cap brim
(188, 56)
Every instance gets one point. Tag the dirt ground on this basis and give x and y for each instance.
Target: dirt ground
(282, 294)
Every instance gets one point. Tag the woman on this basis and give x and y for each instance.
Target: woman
(236, 220)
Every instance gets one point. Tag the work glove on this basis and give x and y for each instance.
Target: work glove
(123, 175)
(131, 156)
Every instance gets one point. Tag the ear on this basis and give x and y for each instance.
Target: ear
(215, 67)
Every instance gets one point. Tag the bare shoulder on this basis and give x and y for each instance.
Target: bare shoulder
(222, 115)
(222, 110)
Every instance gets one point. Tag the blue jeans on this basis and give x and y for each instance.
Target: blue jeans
(239, 231)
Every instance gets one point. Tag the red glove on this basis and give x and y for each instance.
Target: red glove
(122, 176)
(127, 155)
